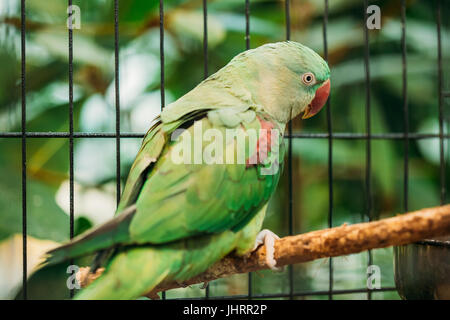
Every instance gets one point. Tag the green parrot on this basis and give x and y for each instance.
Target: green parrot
(186, 205)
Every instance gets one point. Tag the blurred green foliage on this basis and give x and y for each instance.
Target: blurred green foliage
(94, 105)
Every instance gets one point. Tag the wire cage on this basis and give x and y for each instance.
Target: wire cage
(367, 137)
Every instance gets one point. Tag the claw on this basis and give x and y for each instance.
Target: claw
(268, 238)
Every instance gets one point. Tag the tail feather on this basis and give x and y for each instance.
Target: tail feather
(135, 271)
(105, 236)
(123, 278)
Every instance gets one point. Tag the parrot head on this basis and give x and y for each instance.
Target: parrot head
(285, 78)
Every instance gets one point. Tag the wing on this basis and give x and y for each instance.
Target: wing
(116, 230)
(164, 201)
(152, 146)
(181, 199)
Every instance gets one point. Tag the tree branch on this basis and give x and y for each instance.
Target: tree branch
(338, 241)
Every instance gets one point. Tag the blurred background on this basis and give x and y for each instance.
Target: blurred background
(94, 111)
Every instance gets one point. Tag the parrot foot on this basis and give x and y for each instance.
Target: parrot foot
(268, 238)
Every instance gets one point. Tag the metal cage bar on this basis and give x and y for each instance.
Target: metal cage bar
(330, 153)
(368, 188)
(205, 73)
(161, 59)
(440, 102)
(290, 180)
(299, 294)
(368, 136)
(24, 148)
(117, 95)
(205, 39)
(247, 47)
(295, 135)
(161, 51)
(405, 108)
(71, 160)
(247, 24)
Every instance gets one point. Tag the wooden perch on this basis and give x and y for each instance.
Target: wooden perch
(338, 241)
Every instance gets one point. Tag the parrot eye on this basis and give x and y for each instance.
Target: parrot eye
(308, 78)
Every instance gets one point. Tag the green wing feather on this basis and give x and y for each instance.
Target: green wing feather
(177, 202)
(152, 146)
(165, 201)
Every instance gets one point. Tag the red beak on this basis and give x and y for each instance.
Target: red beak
(319, 100)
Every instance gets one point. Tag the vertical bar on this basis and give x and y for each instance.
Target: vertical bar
(247, 24)
(405, 109)
(247, 46)
(441, 103)
(161, 50)
(71, 122)
(161, 59)
(287, 9)
(205, 39)
(24, 151)
(117, 93)
(368, 130)
(205, 74)
(71, 172)
(291, 215)
(330, 155)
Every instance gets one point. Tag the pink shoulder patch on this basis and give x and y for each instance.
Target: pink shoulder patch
(264, 143)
